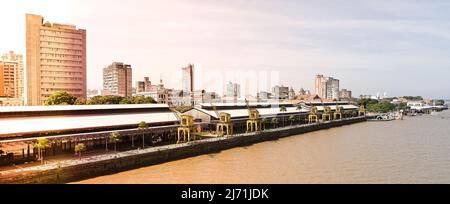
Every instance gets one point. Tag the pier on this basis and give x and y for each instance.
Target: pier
(73, 170)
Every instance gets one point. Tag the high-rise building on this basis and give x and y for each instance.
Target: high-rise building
(145, 86)
(117, 80)
(188, 78)
(56, 59)
(327, 87)
(233, 90)
(280, 92)
(345, 94)
(11, 66)
(7, 79)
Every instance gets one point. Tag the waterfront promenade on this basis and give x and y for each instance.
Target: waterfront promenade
(91, 166)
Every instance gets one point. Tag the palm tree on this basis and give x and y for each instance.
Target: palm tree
(264, 121)
(292, 119)
(80, 148)
(275, 122)
(143, 126)
(115, 137)
(41, 145)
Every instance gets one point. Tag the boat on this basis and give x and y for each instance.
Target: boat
(384, 117)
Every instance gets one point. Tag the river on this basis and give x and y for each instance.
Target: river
(415, 150)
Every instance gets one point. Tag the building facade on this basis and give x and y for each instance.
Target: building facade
(145, 86)
(13, 75)
(345, 94)
(56, 59)
(327, 87)
(280, 92)
(117, 80)
(233, 90)
(188, 78)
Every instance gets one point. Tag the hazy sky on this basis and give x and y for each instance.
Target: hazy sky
(398, 47)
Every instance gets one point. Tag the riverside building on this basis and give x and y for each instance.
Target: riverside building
(117, 80)
(55, 58)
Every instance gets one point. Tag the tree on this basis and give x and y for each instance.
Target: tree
(292, 119)
(383, 107)
(143, 126)
(115, 137)
(126, 101)
(41, 145)
(183, 109)
(60, 98)
(283, 109)
(104, 100)
(80, 101)
(80, 148)
(264, 121)
(275, 122)
(366, 101)
(413, 98)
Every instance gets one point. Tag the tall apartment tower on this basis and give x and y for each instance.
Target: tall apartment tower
(327, 87)
(188, 78)
(11, 76)
(56, 59)
(233, 90)
(117, 79)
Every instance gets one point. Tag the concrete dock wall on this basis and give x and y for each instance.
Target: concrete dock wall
(135, 159)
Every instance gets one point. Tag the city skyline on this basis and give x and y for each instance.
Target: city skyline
(370, 47)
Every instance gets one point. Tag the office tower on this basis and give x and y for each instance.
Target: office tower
(280, 92)
(233, 90)
(11, 76)
(15, 74)
(56, 59)
(327, 87)
(188, 79)
(117, 80)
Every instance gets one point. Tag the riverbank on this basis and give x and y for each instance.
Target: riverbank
(74, 170)
(413, 150)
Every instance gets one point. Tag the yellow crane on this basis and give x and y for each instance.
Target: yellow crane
(254, 121)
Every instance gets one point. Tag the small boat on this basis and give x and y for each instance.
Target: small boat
(383, 117)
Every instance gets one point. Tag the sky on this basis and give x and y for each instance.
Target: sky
(399, 47)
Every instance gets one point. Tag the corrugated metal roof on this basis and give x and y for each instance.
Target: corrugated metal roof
(244, 104)
(56, 123)
(5, 109)
(265, 112)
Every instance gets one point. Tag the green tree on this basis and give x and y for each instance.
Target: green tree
(275, 122)
(60, 98)
(264, 122)
(126, 101)
(383, 107)
(183, 109)
(292, 119)
(41, 145)
(104, 100)
(366, 102)
(80, 101)
(115, 137)
(143, 126)
(413, 98)
(283, 109)
(80, 148)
